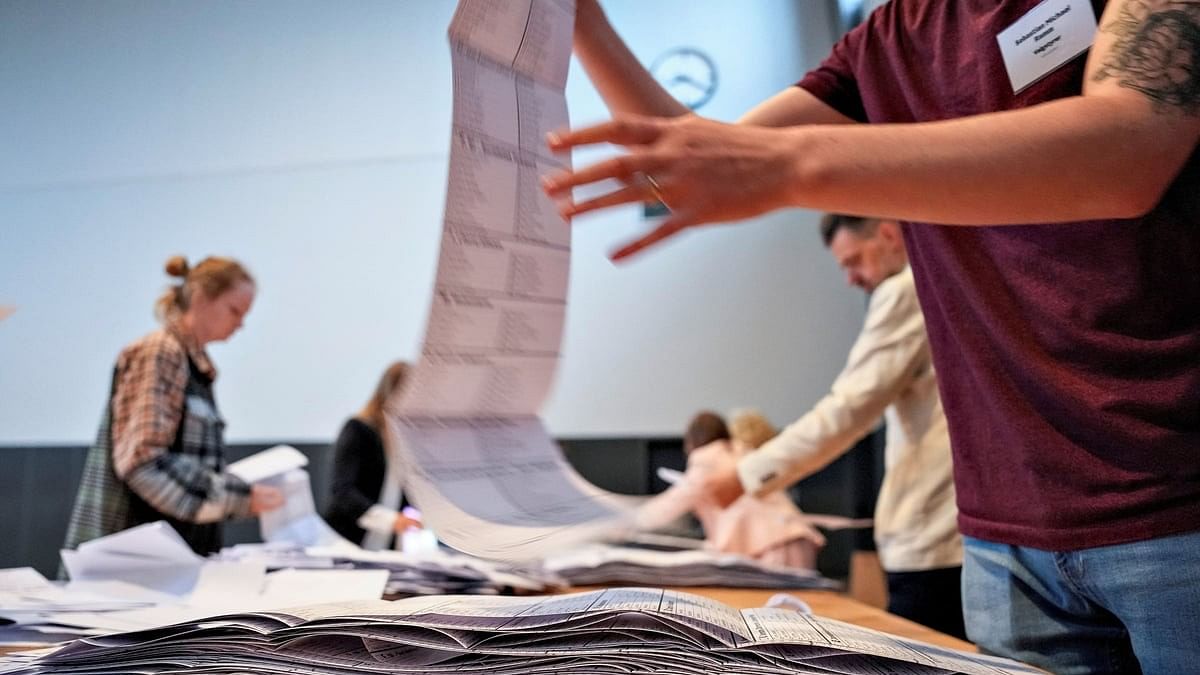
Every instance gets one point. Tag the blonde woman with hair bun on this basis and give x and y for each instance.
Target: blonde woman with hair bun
(160, 451)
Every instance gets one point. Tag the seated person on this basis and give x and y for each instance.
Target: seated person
(771, 529)
(749, 429)
(367, 485)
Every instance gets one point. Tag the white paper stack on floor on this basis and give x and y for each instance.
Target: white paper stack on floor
(617, 631)
(487, 476)
(596, 565)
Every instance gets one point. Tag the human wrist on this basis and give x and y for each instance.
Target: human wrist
(805, 173)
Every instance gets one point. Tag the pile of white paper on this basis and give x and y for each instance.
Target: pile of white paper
(31, 607)
(275, 556)
(426, 573)
(435, 572)
(88, 607)
(597, 565)
(612, 631)
(152, 555)
(147, 576)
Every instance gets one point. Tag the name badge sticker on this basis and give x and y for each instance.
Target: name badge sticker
(1049, 35)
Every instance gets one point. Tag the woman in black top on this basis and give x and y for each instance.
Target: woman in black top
(366, 500)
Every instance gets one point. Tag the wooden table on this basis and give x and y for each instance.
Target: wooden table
(828, 604)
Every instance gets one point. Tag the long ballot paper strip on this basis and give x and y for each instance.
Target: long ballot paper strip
(488, 478)
(616, 630)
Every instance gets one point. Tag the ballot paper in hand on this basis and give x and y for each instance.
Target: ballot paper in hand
(297, 520)
(617, 630)
(478, 462)
(269, 463)
(670, 476)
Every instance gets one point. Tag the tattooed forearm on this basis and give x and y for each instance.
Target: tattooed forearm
(1157, 52)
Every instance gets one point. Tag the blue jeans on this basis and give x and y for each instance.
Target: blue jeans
(1127, 609)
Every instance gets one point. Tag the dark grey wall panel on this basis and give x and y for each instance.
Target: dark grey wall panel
(37, 490)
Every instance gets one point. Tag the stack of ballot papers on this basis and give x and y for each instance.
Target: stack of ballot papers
(444, 572)
(30, 605)
(147, 576)
(425, 573)
(47, 612)
(274, 556)
(610, 631)
(600, 564)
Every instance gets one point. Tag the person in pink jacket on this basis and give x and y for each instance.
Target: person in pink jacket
(769, 529)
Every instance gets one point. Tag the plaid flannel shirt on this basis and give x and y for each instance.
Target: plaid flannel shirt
(159, 442)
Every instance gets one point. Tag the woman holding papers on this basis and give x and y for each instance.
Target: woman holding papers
(365, 505)
(770, 529)
(160, 451)
(749, 429)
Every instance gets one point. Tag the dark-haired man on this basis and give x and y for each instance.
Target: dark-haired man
(889, 372)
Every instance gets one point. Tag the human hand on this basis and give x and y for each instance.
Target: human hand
(703, 171)
(404, 523)
(265, 498)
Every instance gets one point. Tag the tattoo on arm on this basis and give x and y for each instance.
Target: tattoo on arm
(1157, 52)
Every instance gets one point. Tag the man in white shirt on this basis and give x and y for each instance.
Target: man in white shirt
(888, 373)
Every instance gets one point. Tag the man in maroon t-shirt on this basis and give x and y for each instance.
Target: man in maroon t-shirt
(1052, 209)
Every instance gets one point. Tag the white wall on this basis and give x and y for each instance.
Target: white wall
(309, 140)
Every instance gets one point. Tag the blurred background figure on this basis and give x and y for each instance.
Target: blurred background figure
(771, 529)
(888, 373)
(160, 451)
(749, 429)
(367, 489)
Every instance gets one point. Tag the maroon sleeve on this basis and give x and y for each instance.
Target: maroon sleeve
(834, 82)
